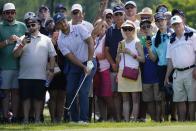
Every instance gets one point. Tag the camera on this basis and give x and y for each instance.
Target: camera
(28, 36)
(148, 38)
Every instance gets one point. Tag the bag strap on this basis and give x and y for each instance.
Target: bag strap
(124, 58)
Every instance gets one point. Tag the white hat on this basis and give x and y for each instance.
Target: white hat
(8, 6)
(128, 23)
(176, 19)
(130, 3)
(108, 11)
(76, 7)
(29, 15)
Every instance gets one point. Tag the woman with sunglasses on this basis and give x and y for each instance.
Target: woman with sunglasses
(129, 54)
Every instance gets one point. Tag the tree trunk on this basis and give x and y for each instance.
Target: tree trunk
(102, 6)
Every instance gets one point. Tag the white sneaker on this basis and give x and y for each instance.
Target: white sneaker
(82, 122)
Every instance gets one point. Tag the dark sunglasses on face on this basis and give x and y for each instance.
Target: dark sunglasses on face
(145, 26)
(10, 12)
(127, 29)
(158, 20)
(145, 17)
(31, 25)
(108, 17)
(75, 12)
(129, 7)
(118, 14)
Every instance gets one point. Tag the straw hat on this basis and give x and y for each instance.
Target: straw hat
(145, 11)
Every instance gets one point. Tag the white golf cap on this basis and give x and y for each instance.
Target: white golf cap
(176, 19)
(108, 11)
(76, 7)
(9, 6)
(29, 15)
(130, 3)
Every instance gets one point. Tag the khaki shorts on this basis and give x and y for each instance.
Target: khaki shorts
(9, 79)
(151, 92)
(184, 86)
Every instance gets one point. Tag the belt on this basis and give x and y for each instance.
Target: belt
(186, 68)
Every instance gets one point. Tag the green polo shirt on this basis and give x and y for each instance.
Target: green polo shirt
(7, 60)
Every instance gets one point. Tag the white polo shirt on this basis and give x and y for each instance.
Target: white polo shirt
(74, 42)
(182, 52)
(34, 58)
(86, 24)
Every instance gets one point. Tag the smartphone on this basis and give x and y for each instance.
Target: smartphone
(148, 38)
(28, 36)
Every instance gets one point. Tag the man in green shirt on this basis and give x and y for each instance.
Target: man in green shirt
(10, 32)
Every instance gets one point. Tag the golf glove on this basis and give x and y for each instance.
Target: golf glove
(90, 65)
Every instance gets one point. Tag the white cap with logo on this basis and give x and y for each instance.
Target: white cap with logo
(176, 19)
(76, 7)
(130, 3)
(9, 6)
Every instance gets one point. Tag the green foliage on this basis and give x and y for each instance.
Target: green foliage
(188, 7)
(91, 6)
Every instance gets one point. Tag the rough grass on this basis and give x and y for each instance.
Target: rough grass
(105, 126)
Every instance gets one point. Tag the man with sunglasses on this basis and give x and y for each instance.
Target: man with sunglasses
(34, 50)
(113, 37)
(10, 31)
(181, 57)
(108, 16)
(77, 17)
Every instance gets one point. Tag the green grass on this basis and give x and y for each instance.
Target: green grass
(105, 126)
(151, 126)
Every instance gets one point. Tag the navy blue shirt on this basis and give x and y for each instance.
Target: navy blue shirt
(149, 70)
(113, 37)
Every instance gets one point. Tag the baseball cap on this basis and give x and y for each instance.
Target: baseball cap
(43, 7)
(9, 6)
(128, 23)
(176, 19)
(29, 15)
(118, 9)
(159, 16)
(58, 7)
(108, 11)
(58, 17)
(76, 7)
(130, 3)
(177, 12)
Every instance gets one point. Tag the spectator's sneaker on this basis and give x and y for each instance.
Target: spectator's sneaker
(82, 122)
(73, 122)
(25, 121)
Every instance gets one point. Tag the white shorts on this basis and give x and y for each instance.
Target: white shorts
(9, 79)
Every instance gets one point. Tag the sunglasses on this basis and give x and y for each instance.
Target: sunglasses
(9, 12)
(31, 25)
(129, 7)
(145, 17)
(145, 26)
(118, 14)
(158, 20)
(108, 17)
(75, 12)
(127, 29)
